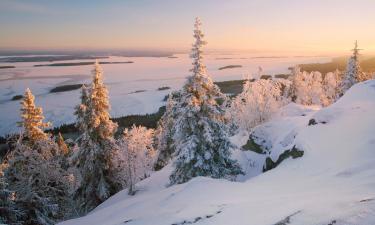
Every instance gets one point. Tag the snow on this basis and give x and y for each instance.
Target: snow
(146, 73)
(333, 181)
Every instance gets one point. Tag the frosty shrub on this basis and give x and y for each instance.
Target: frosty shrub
(257, 102)
(138, 154)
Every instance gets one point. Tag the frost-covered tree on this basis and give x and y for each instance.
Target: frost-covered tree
(315, 88)
(40, 184)
(296, 82)
(100, 125)
(62, 145)
(307, 88)
(202, 146)
(302, 80)
(82, 113)
(10, 213)
(34, 173)
(138, 154)
(331, 87)
(32, 119)
(354, 73)
(257, 102)
(164, 132)
(98, 158)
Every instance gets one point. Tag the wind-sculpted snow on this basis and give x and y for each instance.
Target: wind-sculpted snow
(333, 183)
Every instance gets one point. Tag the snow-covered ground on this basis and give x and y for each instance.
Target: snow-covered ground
(333, 183)
(146, 73)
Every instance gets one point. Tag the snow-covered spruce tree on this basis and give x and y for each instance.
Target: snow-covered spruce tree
(164, 132)
(200, 134)
(138, 153)
(354, 73)
(41, 186)
(82, 113)
(32, 119)
(257, 102)
(98, 158)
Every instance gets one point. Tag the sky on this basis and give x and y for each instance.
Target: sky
(308, 26)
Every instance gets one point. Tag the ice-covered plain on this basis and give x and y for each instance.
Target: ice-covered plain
(123, 80)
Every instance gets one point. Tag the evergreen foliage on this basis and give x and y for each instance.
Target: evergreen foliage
(32, 118)
(98, 158)
(354, 73)
(164, 132)
(40, 187)
(200, 134)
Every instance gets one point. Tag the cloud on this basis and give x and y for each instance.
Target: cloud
(23, 7)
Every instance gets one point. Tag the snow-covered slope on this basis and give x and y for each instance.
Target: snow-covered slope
(333, 183)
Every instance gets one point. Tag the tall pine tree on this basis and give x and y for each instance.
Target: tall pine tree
(81, 112)
(354, 73)
(98, 156)
(200, 134)
(32, 119)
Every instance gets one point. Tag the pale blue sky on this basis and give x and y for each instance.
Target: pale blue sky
(271, 25)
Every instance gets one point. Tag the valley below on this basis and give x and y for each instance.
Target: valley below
(134, 88)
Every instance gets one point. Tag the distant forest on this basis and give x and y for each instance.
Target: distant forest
(367, 65)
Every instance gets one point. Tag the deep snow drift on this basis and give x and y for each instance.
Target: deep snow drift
(333, 183)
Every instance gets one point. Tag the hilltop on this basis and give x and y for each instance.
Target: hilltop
(332, 183)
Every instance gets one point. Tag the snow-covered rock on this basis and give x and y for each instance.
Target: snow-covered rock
(333, 183)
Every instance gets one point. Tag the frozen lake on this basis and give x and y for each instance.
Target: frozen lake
(146, 74)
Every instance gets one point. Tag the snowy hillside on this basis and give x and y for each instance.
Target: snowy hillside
(333, 183)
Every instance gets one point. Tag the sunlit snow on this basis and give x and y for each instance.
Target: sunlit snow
(333, 183)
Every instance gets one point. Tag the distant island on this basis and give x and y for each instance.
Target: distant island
(230, 67)
(81, 63)
(7, 67)
(42, 58)
(17, 97)
(63, 88)
(223, 58)
(164, 88)
(232, 87)
(137, 91)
